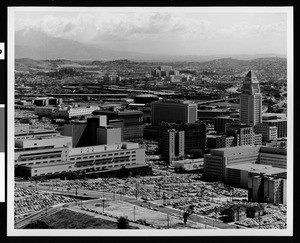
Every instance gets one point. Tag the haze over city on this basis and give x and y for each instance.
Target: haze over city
(165, 33)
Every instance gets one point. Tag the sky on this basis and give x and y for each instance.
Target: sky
(164, 31)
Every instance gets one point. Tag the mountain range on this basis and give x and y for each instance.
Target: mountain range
(38, 45)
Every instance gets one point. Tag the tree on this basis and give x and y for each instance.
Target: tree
(187, 213)
(37, 225)
(123, 223)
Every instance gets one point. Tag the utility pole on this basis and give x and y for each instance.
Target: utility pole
(159, 187)
(103, 204)
(76, 195)
(168, 221)
(136, 190)
(133, 213)
(114, 194)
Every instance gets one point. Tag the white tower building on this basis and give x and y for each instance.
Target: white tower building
(251, 101)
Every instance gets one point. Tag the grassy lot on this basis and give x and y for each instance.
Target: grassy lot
(66, 219)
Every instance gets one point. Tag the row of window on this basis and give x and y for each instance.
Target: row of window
(104, 163)
(104, 155)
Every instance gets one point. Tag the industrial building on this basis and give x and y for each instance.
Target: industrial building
(173, 112)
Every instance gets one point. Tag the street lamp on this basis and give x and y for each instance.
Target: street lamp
(103, 200)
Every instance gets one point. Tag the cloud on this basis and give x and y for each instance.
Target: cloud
(92, 27)
(241, 30)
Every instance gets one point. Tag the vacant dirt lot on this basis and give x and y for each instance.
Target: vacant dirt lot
(120, 208)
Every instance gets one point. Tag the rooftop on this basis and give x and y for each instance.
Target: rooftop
(250, 74)
(257, 168)
(36, 131)
(123, 112)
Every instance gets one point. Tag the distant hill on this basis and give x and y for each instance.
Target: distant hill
(265, 68)
(38, 45)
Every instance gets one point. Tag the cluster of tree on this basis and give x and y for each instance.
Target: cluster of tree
(39, 224)
(123, 223)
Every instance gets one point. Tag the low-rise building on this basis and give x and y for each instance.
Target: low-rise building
(257, 157)
(215, 163)
(24, 131)
(281, 125)
(225, 142)
(188, 165)
(268, 132)
(276, 157)
(238, 174)
(265, 189)
(235, 213)
(91, 159)
(73, 112)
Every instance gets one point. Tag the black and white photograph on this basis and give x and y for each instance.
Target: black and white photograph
(139, 121)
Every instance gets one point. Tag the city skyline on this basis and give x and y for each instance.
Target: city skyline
(150, 138)
(177, 32)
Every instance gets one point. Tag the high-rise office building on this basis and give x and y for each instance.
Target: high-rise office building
(171, 144)
(250, 101)
(194, 136)
(173, 111)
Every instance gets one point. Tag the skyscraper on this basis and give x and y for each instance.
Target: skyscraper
(251, 101)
